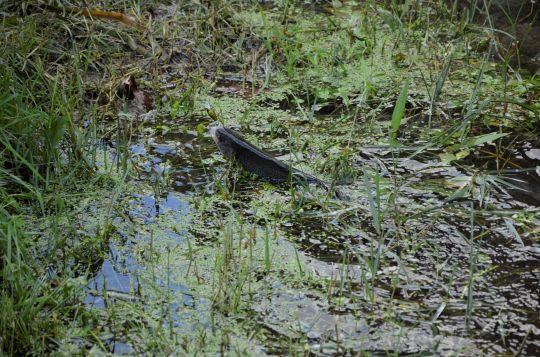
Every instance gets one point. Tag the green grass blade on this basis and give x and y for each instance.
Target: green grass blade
(398, 114)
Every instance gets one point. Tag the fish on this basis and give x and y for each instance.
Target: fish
(254, 160)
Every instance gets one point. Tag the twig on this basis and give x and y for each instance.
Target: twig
(110, 15)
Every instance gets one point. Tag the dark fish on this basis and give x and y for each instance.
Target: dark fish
(234, 147)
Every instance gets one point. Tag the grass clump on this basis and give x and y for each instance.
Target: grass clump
(43, 160)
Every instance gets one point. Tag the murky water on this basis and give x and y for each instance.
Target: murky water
(448, 280)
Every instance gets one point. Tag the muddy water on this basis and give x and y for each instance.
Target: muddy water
(445, 281)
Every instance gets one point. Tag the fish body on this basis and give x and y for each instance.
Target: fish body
(252, 159)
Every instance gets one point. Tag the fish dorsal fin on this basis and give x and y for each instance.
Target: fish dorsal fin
(242, 142)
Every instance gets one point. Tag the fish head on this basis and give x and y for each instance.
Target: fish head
(224, 141)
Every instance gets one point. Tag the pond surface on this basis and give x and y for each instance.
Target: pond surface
(429, 276)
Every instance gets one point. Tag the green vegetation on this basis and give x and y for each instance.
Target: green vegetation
(122, 229)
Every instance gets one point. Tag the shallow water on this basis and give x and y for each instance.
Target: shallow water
(413, 301)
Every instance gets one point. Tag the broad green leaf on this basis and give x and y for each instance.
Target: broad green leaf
(446, 157)
(481, 139)
(462, 154)
(476, 140)
(399, 111)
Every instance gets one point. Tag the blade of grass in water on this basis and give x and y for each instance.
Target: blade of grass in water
(438, 86)
(397, 115)
(512, 229)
